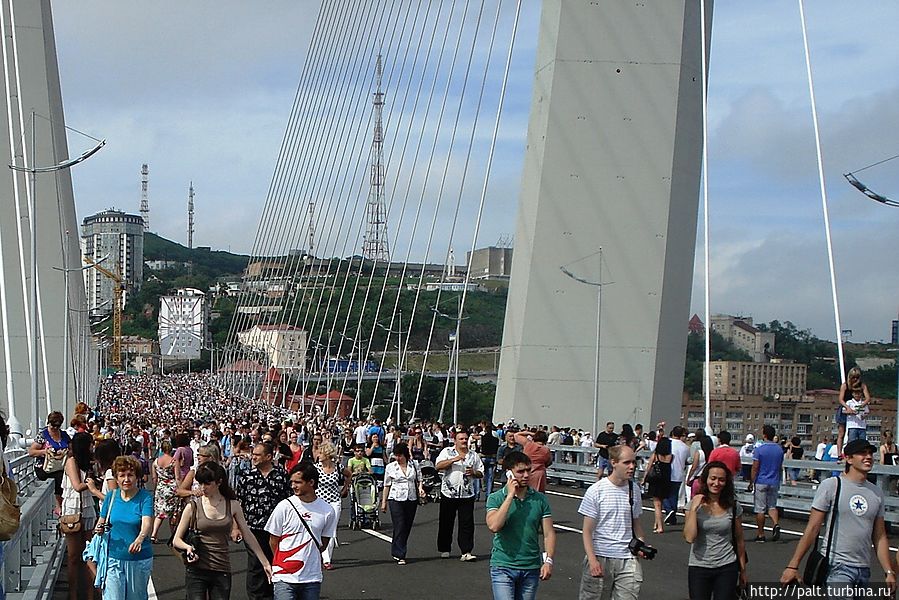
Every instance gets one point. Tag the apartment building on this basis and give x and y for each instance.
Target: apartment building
(742, 334)
(778, 379)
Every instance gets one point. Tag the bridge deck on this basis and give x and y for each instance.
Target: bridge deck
(364, 569)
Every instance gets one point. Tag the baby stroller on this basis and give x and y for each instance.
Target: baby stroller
(430, 481)
(364, 502)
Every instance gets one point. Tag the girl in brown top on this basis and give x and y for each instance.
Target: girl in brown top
(217, 510)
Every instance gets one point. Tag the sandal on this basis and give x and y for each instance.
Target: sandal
(153, 539)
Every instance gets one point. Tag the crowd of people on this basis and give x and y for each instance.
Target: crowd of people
(218, 469)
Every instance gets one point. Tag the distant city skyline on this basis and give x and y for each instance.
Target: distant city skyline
(170, 85)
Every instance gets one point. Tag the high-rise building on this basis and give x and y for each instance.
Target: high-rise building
(120, 237)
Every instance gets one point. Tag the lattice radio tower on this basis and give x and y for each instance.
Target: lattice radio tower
(144, 196)
(374, 244)
(190, 217)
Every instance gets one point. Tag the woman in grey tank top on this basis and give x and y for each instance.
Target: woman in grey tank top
(713, 526)
(214, 515)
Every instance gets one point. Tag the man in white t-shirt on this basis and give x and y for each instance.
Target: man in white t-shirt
(680, 452)
(611, 509)
(361, 433)
(299, 528)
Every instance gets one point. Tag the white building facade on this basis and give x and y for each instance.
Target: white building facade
(183, 324)
(283, 345)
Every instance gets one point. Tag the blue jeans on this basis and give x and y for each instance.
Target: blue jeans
(489, 472)
(842, 579)
(856, 433)
(514, 584)
(297, 591)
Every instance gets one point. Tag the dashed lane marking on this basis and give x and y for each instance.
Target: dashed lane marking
(379, 535)
(151, 590)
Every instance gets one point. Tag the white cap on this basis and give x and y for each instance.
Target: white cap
(750, 437)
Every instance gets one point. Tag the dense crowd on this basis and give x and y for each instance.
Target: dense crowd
(219, 469)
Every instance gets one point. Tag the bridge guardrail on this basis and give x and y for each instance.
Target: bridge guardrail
(32, 558)
(575, 465)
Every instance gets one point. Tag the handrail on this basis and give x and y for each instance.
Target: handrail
(32, 558)
(576, 464)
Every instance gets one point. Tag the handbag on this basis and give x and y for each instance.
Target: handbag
(10, 512)
(53, 463)
(742, 592)
(655, 471)
(72, 523)
(817, 567)
(191, 536)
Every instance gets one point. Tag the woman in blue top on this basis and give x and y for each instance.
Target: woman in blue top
(129, 512)
(375, 453)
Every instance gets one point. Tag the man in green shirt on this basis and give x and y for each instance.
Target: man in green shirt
(515, 514)
(359, 463)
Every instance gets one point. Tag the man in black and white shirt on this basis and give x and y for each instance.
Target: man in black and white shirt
(458, 467)
(260, 491)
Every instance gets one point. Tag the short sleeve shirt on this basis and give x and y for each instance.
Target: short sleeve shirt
(860, 504)
(297, 560)
(126, 523)
(517, 544)
(770, 457)
(456, 484)
(609, 505)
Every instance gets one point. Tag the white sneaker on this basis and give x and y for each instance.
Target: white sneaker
(468, 557)
(444, 555)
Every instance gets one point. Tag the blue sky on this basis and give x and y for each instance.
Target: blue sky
(202, 91)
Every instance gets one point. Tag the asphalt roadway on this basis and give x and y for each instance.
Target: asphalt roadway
(364, 570)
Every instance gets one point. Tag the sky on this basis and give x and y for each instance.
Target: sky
(202, 91)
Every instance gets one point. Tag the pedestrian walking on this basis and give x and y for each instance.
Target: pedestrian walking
(402, 491)
(459, 467)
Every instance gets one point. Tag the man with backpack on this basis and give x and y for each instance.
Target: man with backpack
(858, 507)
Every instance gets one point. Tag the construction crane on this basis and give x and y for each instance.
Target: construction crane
(118, 290)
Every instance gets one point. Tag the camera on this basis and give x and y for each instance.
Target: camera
(640, 548)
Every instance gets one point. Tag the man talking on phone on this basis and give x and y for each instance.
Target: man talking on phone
(516, 514)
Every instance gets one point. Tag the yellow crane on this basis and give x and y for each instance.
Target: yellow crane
(116, 311)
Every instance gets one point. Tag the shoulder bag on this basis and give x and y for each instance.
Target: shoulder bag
(10, 512)
(53, 463)
(191, 536)
(69, 524)
(742, 592)
(817, 567)
(655, 471)
(306, 525)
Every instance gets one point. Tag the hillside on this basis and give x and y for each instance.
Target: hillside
(215, 263)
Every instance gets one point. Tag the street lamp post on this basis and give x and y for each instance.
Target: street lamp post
(399, 368)
(454, 338)
(33, 170)
(598, 285)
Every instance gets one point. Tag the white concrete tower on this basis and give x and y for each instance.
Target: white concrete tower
(612, 163)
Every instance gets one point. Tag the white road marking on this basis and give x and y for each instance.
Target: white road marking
(379, 535)
(151, 590)
(389, 539)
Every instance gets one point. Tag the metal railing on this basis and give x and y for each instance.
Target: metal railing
(576, 466)
(32, 558)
